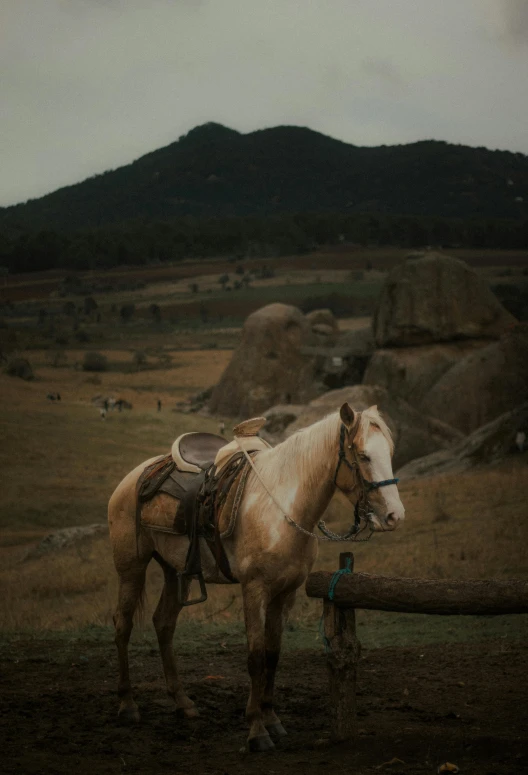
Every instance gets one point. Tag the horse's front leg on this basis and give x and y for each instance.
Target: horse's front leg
(276, 616)
(255, 607)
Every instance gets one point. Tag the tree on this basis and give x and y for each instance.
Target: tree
(90, 305)
(155, 311)
(127, 312)
(93, 361)
(223, 280)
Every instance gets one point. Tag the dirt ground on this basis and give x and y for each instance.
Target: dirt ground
(418, 707)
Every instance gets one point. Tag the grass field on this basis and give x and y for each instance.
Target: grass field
(60, 461)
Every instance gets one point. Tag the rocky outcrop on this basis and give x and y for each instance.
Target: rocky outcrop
(484, 384)
(19, 367)
(410, 372)
(269, 366)
(435, 298)
(488, 444)
(278, 418)
(324, 326)
(67, 536)
(413, 432)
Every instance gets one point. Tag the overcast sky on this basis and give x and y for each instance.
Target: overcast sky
(89, 85)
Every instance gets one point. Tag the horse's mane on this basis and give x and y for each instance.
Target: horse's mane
(320, 441)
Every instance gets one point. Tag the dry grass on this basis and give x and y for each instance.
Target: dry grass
(189, 372)
(482, 533)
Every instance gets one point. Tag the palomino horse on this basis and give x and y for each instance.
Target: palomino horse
(271, 550)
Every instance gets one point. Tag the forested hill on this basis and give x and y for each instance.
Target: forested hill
(216, 171)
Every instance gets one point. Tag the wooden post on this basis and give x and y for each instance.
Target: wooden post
(343, 649)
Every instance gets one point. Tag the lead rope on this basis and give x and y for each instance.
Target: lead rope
(330, 537)
(331, 590)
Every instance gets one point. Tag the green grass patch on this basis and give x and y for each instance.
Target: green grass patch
(375, 629)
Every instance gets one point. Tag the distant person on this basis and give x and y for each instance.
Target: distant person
(221, 427)
(159, 405)
(105, 405)
(102, 412)
(520, 440)
(58, 397)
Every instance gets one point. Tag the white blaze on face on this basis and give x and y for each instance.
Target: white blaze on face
(380, 467)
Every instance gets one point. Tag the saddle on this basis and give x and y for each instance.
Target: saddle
(208, 496)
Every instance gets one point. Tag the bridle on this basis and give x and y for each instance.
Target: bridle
(362, 509)
(366, 484)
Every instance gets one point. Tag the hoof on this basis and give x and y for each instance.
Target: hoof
(129, 715)
(276, 730)
(260, 744)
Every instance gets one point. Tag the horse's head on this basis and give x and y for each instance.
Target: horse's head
(364, 471)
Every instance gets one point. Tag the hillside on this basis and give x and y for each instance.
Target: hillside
(216, 171)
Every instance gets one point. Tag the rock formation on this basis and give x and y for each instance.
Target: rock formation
(435, 298)
(410, 372)
(484, 384)
(488, 444)
(269, 366)
(413, 432)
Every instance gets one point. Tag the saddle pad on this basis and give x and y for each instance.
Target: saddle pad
(164, 513)
(228, 511)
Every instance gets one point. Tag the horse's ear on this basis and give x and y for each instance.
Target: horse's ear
(347, 415)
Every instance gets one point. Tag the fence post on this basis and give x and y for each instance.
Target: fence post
(343, 649)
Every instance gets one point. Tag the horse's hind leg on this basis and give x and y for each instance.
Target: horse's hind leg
(131, 587)
(165, 617)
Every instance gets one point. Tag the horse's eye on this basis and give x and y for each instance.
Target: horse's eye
(364, 457)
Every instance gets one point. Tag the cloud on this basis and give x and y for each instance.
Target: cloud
(507, 20)
(382, 70)
(515, 14)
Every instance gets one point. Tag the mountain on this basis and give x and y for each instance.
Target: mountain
(216, 171)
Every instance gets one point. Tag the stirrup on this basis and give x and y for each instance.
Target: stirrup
(203, 590)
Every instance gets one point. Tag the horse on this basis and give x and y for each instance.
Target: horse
(271, 550)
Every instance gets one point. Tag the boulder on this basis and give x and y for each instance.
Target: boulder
(345, 362)
(269, 366)
(67, 536)
(324, 326)
(323, 317)
(357, 343)
(435, 298)
(277, 420)
(19, 367)
(488, 444)
(410, 372)
(484, 384)
(413, 432)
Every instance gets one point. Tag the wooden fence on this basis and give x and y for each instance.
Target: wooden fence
(424, 596)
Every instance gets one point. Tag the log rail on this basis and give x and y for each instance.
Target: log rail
(382, 593)
(422, 596)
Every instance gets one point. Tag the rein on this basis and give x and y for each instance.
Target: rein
(361, 509)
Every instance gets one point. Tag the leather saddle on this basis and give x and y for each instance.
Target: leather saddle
(195, 452)
(201, 498)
